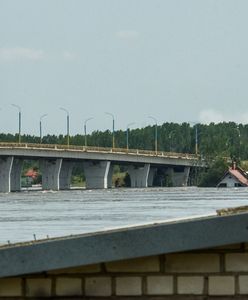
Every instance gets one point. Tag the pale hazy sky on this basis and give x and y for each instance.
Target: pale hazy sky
(176, 60)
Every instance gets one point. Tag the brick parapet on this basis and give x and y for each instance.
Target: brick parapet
(205, 274)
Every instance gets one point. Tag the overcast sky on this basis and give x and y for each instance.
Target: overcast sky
(175, 60)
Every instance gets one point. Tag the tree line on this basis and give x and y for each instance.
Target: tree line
(216, 142)
(226, 139)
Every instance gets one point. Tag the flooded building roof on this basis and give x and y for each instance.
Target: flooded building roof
(236, 176)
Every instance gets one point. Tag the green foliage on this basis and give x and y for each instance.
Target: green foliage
(226, 139)
(213, 175)
(37, 180)
(77, 181)
(127, 180)
(119, 179)
(244, 164)
(222, 139)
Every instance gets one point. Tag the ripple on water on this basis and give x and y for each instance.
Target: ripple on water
(79, 211)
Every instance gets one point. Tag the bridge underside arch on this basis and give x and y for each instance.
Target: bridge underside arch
(5, 173)
(172, 176)
(98, 174)
(11, 168)
(57, 172)
(141, 175)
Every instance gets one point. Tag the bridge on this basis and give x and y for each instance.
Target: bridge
(57, 161)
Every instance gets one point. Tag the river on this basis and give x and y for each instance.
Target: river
(29, 215)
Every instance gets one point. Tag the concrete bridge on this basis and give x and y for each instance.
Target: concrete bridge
(57, 162)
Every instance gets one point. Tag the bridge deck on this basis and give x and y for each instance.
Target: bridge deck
(55, 150)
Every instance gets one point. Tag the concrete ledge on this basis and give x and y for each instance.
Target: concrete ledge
(125, 243)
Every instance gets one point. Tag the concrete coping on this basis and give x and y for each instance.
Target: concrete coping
(123, 243)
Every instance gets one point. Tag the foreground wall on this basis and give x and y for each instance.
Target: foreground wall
(205, 274)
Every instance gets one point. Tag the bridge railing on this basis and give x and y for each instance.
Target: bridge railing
(100, 149)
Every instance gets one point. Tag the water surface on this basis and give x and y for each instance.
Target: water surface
(47, 213)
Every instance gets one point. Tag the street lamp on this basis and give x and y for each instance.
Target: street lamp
(68, 125)
(85, 131)
(156, 133)
(170, 139)
(43, 116)
(19, 121)
(239, 139)
(113, 129)
(196, 137)
(238, 130)
(127, 131)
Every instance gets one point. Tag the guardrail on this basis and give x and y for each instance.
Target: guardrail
(56, 147)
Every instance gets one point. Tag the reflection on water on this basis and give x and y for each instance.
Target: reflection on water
(78, 211)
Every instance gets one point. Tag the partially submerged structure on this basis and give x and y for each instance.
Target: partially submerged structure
(234, 177)
(199, 258)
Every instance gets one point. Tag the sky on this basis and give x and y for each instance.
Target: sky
(174, 60)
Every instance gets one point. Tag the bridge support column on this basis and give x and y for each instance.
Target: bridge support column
(65, 175)
(179, 178)
(151, 175)
(50, 169)
(139, 175)
(97, 174)
(5, 174)
(15, 177)
(110, 175)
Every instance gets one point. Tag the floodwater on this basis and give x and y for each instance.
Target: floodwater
(53, 214)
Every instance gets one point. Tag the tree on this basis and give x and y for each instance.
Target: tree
(214, 173)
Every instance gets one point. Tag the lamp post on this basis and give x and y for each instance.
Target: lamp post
(67, 124)
(19, 121)
(43, 116)
(239, 140)
(113, 129)
(196, 139)
(156, 133)
(85, 131)
(127, 133)
(170, 139)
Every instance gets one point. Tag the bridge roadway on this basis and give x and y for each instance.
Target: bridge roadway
(57, 161)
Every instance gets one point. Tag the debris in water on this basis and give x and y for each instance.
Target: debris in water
(232, 210)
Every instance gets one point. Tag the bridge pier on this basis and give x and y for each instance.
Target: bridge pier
(179, 178)
(5, 173)
(97, 174)
(110, 175)
(15, 177)
(50, 169)
(139, 175)
(151, 175)
(65, 175)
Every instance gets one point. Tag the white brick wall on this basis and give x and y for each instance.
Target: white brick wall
(128, 286)
(214, 272)
(243, 285)
(237, 262)
(98, 286)
(39, 287)
(192, 263)
(10, 287)
(149, 264)
(160, 285)
(83, 270)
(69, 287)
(192, 285)
(221, 285)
